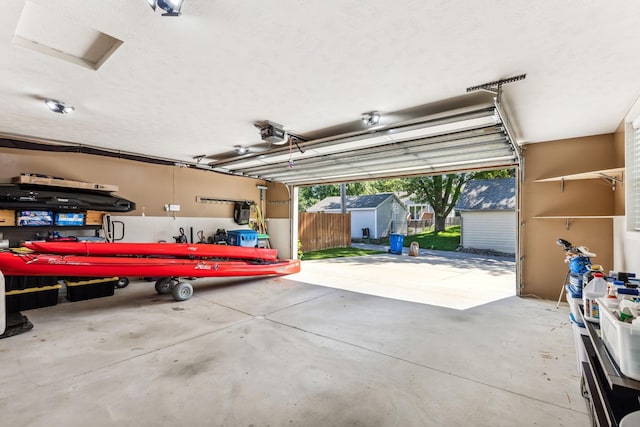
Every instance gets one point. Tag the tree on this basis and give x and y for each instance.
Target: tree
(443, 191)
(440, 191)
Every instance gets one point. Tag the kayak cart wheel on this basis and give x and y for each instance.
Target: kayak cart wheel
(182, 291)
(164, 285)
(122, 282)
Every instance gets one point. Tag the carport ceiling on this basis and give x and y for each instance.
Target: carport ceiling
(189, 89)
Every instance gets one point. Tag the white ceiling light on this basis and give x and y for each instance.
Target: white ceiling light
(241, 149)
(171, 7)
(59, 106)
(371, 119)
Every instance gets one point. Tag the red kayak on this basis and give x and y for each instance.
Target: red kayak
(152, 249)
(37, 264)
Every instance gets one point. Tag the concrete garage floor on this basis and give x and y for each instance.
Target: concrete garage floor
(282, 352)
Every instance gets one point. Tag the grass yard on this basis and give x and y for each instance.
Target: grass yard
(447, 240)
(338, 253)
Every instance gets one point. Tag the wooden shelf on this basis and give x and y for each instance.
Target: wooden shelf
(574, 216)
(568, 218)
(606, 174)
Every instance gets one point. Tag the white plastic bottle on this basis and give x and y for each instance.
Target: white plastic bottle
(596, 288)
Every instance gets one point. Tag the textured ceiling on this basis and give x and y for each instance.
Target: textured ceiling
(194, 85)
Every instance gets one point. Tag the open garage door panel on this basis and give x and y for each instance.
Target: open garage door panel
(470, 137)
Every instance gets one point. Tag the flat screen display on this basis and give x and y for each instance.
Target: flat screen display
(68, 219)
(35, 218)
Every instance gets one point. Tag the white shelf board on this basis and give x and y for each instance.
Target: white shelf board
(574, 216)
(616, 173)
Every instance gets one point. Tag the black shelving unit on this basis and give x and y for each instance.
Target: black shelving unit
(610, 395)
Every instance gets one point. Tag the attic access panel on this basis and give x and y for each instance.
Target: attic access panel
(465, 138)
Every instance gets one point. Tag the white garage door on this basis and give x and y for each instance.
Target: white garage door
(489, 230)
(470, 137)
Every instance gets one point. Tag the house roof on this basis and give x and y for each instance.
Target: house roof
(369, 201)
(488, 194)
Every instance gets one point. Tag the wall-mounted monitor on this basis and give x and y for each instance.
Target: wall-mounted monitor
(68, 219)
(35, 218)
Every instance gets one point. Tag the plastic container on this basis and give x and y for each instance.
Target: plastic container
(31, 298)
(623, 342)
(248, 238)
(395, 243)
(574, 299)
(578, 330)
(88, 289)
(596, 288)
(588, 274)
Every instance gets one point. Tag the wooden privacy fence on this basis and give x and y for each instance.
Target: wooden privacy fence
(319, 230)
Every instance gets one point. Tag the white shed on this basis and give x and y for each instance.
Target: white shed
(380, 214)
(488, 211)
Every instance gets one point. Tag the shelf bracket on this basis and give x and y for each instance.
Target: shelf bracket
(568, 223)
(562, 186)
(611, 180)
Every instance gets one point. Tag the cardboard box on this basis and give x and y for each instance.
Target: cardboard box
(7, 218)
(94, 218)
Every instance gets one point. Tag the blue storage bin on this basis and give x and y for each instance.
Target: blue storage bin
(395, 243)
(248, 238)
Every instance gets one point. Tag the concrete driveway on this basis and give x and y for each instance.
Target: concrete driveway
(446, 279)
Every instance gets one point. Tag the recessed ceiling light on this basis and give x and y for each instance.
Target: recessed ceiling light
(59, 106)
(171, 7)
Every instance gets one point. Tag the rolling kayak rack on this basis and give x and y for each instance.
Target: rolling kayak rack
(181, 291)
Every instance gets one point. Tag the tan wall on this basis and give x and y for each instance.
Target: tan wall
(543, 269)
(149, 186)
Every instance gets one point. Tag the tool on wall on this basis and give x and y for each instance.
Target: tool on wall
(181, 238)
(261, 223)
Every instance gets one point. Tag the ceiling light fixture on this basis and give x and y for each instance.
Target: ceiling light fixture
(171, 7)
(371, 119)
(59, 106)
(240, 149)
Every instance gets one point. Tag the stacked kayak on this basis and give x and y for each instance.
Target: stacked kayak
(168, 261)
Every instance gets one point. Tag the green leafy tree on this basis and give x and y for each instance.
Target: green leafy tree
(443, 191)
(440, 191)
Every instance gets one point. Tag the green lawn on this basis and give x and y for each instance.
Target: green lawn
(448, 240)
(338, 253)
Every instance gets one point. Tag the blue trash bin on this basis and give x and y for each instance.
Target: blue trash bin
(395, 243)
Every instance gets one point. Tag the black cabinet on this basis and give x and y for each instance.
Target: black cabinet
(610, 395)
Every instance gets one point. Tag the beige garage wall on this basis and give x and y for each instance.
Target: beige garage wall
(543, 269)
(151, 187)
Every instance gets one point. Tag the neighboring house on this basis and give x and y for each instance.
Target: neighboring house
(488, 211)
(381, 214)
(423, 211)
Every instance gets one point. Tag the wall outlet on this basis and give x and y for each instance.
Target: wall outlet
(172, 208)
